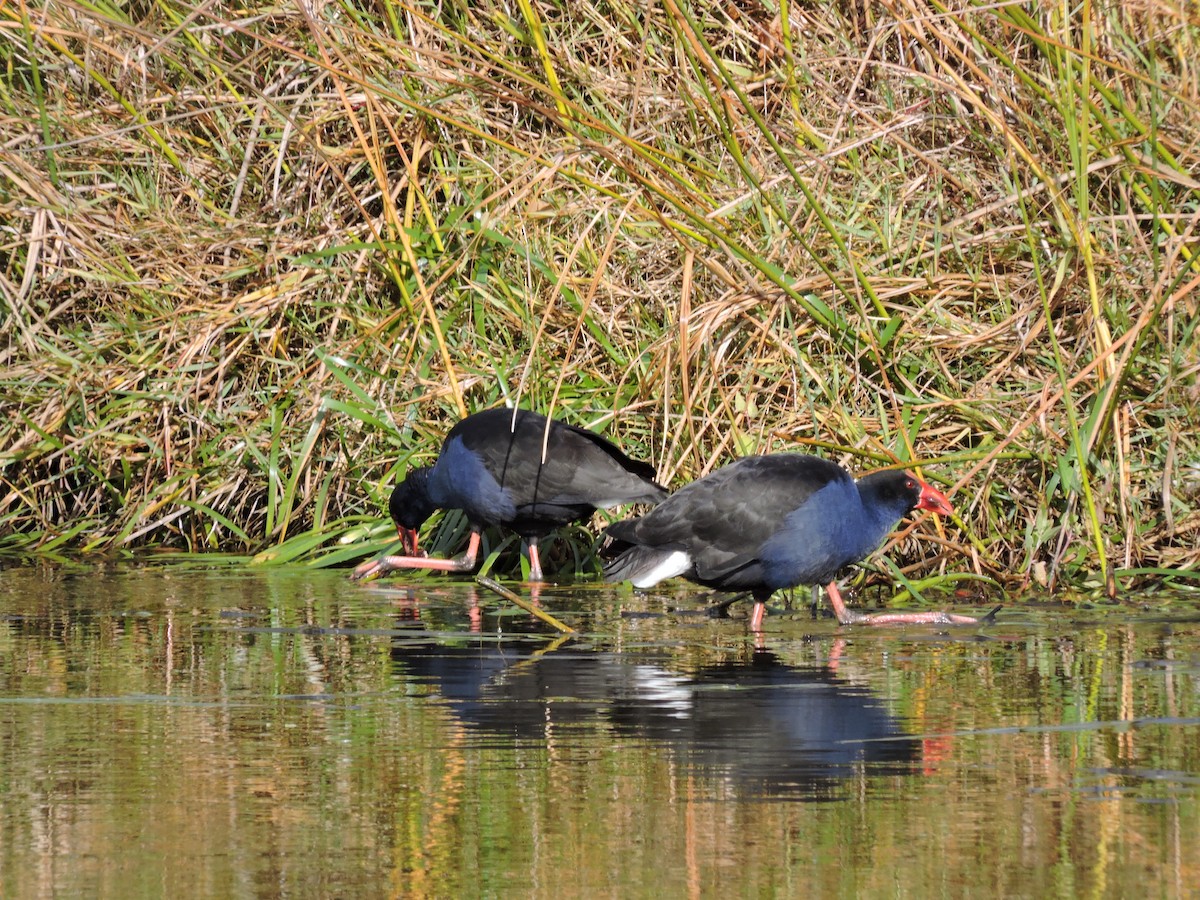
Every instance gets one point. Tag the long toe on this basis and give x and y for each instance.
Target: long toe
(370, 569)
(853, 617)
(921, 618)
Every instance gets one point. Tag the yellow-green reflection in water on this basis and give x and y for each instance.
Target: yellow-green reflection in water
(217, 732)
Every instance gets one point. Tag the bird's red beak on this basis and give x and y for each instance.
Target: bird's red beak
(934, 500)
(408, 537)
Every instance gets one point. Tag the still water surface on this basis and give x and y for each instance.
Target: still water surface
(209, 731)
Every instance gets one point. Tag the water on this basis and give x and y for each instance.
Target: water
(209, 731)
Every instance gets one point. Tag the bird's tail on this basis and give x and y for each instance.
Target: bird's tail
(655, 494)
(644, 566)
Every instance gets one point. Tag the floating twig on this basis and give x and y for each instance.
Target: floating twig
(516, 598)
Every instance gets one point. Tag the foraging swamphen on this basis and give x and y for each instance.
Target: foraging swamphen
(518, 469)
(765, 523)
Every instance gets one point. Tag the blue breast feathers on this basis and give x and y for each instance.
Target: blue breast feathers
(460, 481)
(827, 532)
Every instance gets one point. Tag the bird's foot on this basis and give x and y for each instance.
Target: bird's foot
(938, 617)
(852, 617)
(381, 565)
(370, 569)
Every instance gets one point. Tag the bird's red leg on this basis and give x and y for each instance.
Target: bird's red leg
(535, 563)
(756, 617)
(381, 565)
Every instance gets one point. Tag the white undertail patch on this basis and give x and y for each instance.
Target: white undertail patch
(676, 563)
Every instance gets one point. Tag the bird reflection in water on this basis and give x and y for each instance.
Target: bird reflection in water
(769, 728)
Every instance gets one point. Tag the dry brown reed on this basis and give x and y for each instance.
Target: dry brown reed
(256, 258)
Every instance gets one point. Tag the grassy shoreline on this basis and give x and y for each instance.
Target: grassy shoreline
(256, 260)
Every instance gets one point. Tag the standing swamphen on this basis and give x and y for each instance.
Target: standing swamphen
(765, 523)
(515, 468)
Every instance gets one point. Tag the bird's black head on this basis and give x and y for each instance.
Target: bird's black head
(410, 506)
(899, 493)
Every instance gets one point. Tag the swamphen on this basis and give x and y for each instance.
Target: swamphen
(514, 468)
(769, 522)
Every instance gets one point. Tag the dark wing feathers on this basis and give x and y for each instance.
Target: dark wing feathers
(581, 469)
(641, 470)
(723, 519)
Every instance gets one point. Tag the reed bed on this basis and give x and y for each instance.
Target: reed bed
(255, 258)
